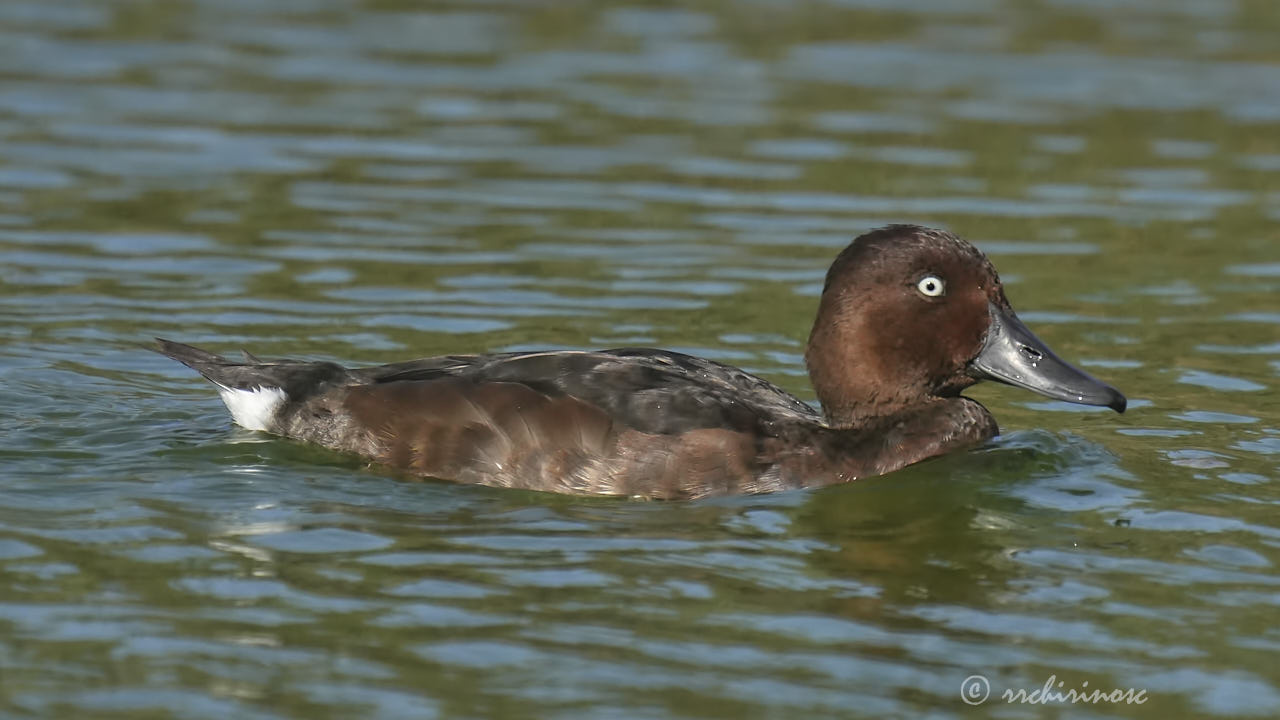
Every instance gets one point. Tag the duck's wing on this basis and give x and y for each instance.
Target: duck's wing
(653, 391)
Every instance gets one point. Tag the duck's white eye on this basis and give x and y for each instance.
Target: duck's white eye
(931, 286)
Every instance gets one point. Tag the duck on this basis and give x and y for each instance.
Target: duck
(909, 317)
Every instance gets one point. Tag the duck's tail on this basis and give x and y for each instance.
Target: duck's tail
(256, 392)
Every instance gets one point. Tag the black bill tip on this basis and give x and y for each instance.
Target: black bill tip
(1119, 403)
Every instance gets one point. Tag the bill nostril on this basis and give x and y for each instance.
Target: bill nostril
(1030, 353)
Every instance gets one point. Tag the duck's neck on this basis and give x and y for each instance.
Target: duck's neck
(853, 380)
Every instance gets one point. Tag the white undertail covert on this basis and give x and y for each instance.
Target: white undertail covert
(253, 409)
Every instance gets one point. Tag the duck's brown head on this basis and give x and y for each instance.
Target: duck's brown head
(910, 313)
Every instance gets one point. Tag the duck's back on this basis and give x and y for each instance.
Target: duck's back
(653, 391)
(635, 422)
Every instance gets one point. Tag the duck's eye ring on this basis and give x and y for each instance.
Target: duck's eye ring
(931, 286)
